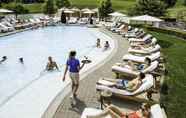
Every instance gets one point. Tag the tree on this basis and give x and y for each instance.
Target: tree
(108, 7)
(150, 7)
(169, 3)
(105, 8)
(49, 7)
(63, 3)
(184, 2)
(18, 8)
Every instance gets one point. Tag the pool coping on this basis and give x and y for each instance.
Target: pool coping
(52, 107)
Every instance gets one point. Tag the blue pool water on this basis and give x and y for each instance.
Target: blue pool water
(35, 46)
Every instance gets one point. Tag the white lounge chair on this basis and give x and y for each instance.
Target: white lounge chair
(156, 112)
(145, 51)
(116, 29)
(147, 84)
(119, 70)
(6, 28)
(141, 59)
(149, 43)
(72, 20)
(146, 37)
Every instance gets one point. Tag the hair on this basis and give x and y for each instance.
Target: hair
(4, 57)
(72, 53)
(148, 60)
(142, 75)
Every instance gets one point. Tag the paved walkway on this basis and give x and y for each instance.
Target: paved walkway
(87, 96)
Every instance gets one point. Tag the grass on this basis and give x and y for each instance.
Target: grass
(119, 5)
(174, 49)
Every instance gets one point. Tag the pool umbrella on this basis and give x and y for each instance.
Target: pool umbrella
(89, 12)
(85, 9)
(69, 11)
(117, 14)
(75, 9)
(5, 11)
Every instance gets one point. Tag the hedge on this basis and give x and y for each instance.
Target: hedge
(177, 33)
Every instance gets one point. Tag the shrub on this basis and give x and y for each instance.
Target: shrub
(177, 33)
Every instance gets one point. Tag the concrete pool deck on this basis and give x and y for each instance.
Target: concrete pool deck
(87, 96)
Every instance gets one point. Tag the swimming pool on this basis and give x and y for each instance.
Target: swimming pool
(35, 46)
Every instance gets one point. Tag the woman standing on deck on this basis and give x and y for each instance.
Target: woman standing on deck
(74, 67)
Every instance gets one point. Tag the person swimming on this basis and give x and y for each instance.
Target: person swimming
(98, 43)
(21, 60)
(4, 58)
(107, 45)
(51, 65)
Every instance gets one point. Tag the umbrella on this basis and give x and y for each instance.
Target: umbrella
(85, 9)
(69, 11)
(146, 18)
(117, 14)
(95, 10)
(75, 9)
(5, 11)
(88, 12)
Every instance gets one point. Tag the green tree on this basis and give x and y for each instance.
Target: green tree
(184, 3)
(169, 3)
(49, 7)
(18, 8)
(102, 10)
(105, 8)
(150, 7)
(63, 3)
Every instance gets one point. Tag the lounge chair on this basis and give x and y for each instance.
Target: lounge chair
(119, 70)
(6, 28)
(146, 37)
(145, 51)
(148, 83)
(141, 59)
(72, 20)
(150, 42)
(156, 112)
(117, 29)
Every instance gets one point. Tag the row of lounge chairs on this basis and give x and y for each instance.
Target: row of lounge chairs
(142, 46)
(10, 24)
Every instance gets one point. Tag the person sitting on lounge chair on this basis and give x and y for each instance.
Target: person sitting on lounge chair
(129, 85)
(145, 65)
(51, 65)
(115, 112)
(4, 58)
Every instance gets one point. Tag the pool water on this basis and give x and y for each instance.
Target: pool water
(35, 46)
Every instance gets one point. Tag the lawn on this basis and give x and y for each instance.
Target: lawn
(120, 5)
(174, 50)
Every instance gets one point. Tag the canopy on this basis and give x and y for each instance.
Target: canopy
(95, 10)
(75, 9)
(68, 11)
(117, 14)
(5, 11)
(146, 18)
(89, 12)
(85, 9)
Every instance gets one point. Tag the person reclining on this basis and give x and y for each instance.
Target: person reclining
(51, 65)
(115, 112)
(136, 67)
(128, 85)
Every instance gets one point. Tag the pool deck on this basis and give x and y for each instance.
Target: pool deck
(87, 96)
